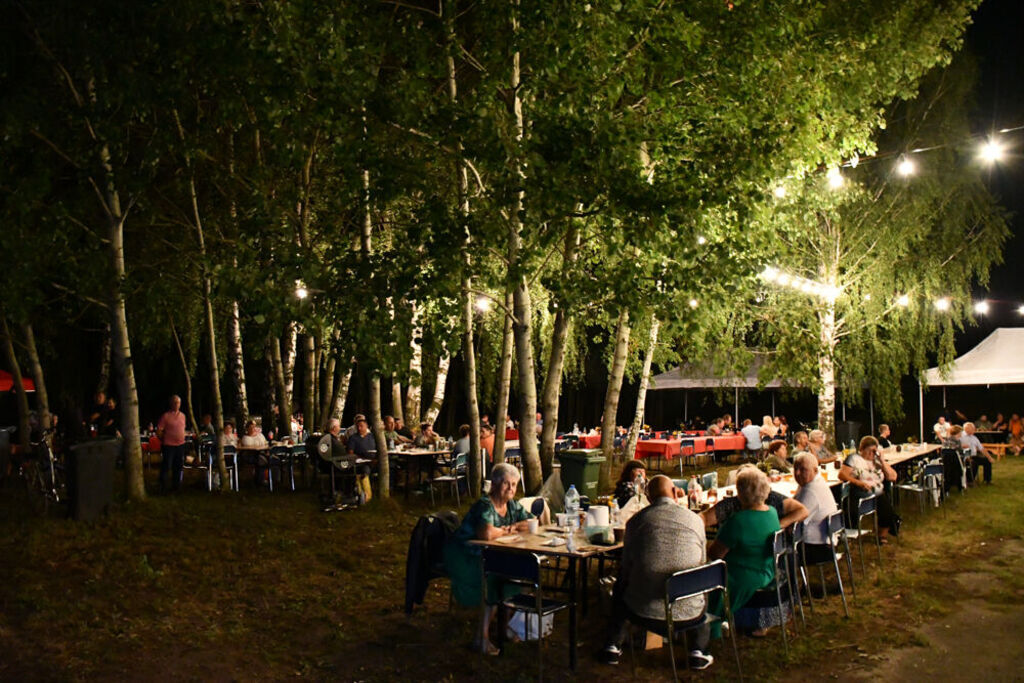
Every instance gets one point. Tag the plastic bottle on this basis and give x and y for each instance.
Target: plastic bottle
(572, 502)
(693, 492)
(613, 510)
(575, 427)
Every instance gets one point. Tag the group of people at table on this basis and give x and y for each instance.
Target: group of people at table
(666, 536)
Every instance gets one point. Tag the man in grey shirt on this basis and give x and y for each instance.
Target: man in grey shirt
(815, 495)
(980, 457)
(660, 540)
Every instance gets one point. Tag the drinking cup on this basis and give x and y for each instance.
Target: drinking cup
(532, 525)
(562, 518)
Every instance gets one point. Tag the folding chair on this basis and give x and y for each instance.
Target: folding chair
(521, 569)
(927, 482)
(692, 583)
(835, 529)
(867, 506)
(230, 464)
(456, 472)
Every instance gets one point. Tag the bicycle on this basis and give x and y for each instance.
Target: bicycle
(44, 477)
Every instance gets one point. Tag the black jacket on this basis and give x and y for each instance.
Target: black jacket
(426, 554)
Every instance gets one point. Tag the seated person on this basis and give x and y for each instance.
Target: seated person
(744, 542)
(362, 444)
(941, 429)
(768, 429)
(403, 432)
(716, 428)
(206, 427)
(1000, 424)
(391, 434)
(1016, 429)
(229, 437)
(426, 438)
(952, 438)
(984, 424)
(800, 441)
(494, 515)
(866, 471)
(252, 439)
(352, 430)
(727, 426)
(631, 482)
(980, 457)
(782, 426)
(752, 433)
(487, 441)
(788, 510)
(462, 445)
(816, 445)
(815, 495)
(883, 436)
(660, 540)
(778, 456)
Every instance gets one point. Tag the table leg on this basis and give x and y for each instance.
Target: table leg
(584, 567)
(572, 613)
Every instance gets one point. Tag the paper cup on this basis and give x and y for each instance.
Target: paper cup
(532, 525)
(561, 518)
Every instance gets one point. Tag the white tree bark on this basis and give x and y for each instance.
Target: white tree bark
(611, 397)
(504, 382)
(641, 397)
(36, 366)
(414, 388)
(236, 360)
(443, 361)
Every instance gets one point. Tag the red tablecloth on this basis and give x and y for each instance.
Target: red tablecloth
(734, 442)
(511, 434)
(665, 448)
(589, 441)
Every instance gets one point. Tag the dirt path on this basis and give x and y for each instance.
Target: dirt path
(982, 640)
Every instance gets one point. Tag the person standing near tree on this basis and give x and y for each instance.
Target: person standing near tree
(171, 432)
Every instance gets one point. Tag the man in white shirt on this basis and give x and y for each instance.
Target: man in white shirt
(980, 457)
(815, 495)
(752, 433)
(941, 429)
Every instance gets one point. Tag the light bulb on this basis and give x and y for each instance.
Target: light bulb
(906, 167)
(1021, 309)
(783, 279)
(483, 304)
(903, 300)
(867, 297)
(942, 304)
(779, 191)
(301, 292)
(992, 151)
(702, 240)
(981, 307)
(693, 303)
(835, 178)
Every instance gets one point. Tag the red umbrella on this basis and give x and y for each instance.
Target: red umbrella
(7, 382)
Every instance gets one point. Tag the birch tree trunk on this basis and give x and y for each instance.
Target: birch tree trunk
(827, 373)
(468, 350)
(19, 389)
(522, 327)
(341, 385)
(186, 369)
(328, 389)
(135, 485)
(443, 362)
(413, 392)
(309, 382)
(641, 397)
(396, 398)
(611, 397)
(504, 382)
(556, 361)
(291, 340)
(284, 411)
(103, 383)
(42, 397)
(236, 360)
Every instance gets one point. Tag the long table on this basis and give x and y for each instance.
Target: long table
(909, 452)
(536, 543)
(688, 445)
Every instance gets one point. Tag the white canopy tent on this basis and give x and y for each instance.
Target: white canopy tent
(998, 359)
(706, 376)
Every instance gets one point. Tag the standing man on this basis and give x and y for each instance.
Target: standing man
(980, 457)
(171, 432)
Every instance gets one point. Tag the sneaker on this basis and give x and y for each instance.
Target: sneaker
(700, 661)
(610, 655)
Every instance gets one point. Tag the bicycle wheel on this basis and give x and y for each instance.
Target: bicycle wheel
(38, 495)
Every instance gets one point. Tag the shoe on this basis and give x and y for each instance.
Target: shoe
(700, 661)
(610, 655)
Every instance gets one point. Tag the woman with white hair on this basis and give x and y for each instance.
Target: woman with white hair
(744, 541)
(496, 514)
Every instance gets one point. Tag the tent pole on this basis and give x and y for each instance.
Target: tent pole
(773, 405)
(943, 398)
(686, 406)
(736, 406)
(920, 404)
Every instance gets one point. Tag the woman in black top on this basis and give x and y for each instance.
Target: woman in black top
(883, 436)
(631, 482)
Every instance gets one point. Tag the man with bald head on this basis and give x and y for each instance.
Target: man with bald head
(660, 540)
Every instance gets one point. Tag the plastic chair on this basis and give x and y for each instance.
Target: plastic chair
(835, 529)
(522, 569)
(230, 464)
(692, 583)
(456, 472)
(867, 506)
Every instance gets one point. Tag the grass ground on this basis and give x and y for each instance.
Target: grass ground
(260, 586)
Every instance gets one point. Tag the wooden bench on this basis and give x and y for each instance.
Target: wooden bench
(996, 449)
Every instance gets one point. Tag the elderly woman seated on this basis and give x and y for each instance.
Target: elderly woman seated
(778, 456)
(744, 541)
(494, 515)
(867, 471)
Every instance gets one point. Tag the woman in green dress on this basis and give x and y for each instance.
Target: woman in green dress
(745, 542)
(493, 516)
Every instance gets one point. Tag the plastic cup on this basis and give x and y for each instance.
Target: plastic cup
(562, 518)
(532, 525)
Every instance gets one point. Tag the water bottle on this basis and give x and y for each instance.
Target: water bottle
(572, 502)
(575, 427)
(613, 509)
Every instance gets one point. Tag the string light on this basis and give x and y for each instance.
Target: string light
(903, 300)
(906, 167)
(981, 307)
(300, 290)
(992, 151)
(942, 304)
(701, 240)
(835, 178)
(483, 304)
(867, 297)
(693, 303)
(801, 284)
(1021, 309)
(779, 191)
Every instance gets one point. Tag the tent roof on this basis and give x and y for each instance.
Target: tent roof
(996, 360)
(705, 376)
(7, 382)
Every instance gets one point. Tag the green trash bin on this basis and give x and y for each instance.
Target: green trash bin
(91, 477)
(582, 467)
